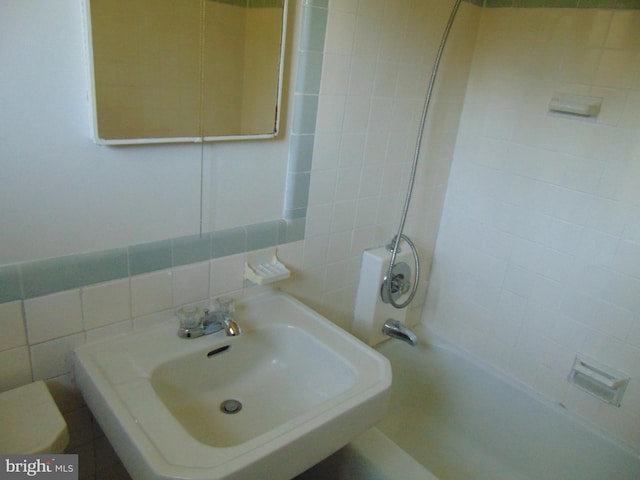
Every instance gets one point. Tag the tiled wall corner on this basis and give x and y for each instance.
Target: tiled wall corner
(536, 258)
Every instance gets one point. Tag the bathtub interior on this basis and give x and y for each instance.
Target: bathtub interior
(463, 422)
(454, 419)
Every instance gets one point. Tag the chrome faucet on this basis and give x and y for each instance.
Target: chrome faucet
(395, 329)
(215, 321)
(212, 322)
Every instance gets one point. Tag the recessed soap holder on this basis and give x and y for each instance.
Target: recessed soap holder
(599, 380)
(263, 267)
(572, 104)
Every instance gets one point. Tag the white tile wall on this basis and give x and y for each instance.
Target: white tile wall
(191, 283)
(53, 316)
(227, 275)
(13, 333)
(106, 303)
(538, 253)
(15, 367)
(151, 293)
(53, 358)
(57, 323)
(377, 63)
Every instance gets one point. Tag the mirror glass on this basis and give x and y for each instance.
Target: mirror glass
(167, 70)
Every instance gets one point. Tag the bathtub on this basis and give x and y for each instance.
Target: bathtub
(452, 419)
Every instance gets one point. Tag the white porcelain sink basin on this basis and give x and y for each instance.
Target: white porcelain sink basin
(294, 387)
(276, 373)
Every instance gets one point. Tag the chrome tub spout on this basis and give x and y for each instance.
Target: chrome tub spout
(395, 329)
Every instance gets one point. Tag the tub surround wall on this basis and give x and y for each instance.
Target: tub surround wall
(376, 64)
(538, 255)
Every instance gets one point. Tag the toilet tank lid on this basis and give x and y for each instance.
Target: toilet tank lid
(30, 421)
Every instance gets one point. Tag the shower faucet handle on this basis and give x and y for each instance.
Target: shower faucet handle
(400, 283)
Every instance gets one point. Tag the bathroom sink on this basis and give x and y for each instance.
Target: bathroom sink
(269, 403)
(273, 374)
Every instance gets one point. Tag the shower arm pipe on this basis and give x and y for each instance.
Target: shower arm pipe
(414, 166)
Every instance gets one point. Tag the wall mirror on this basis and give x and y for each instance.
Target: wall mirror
(185, 70)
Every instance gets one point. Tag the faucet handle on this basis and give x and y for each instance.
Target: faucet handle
(190, 322)
(225, 305)
(190, 316)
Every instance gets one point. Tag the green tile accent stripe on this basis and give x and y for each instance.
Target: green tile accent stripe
(295, 229)
(103, 266)
(149, 257)
(228, 242)
(191, 249)
(47, 276)
(604, 4)
(44, 277)
(262, 235)
(305, 108)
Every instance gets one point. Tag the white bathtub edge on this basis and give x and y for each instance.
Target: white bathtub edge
(387, 457)
(429, 338)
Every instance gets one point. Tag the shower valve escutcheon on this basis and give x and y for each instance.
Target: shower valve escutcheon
(400, 283)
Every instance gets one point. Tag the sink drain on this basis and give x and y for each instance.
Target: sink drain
(231, 406)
